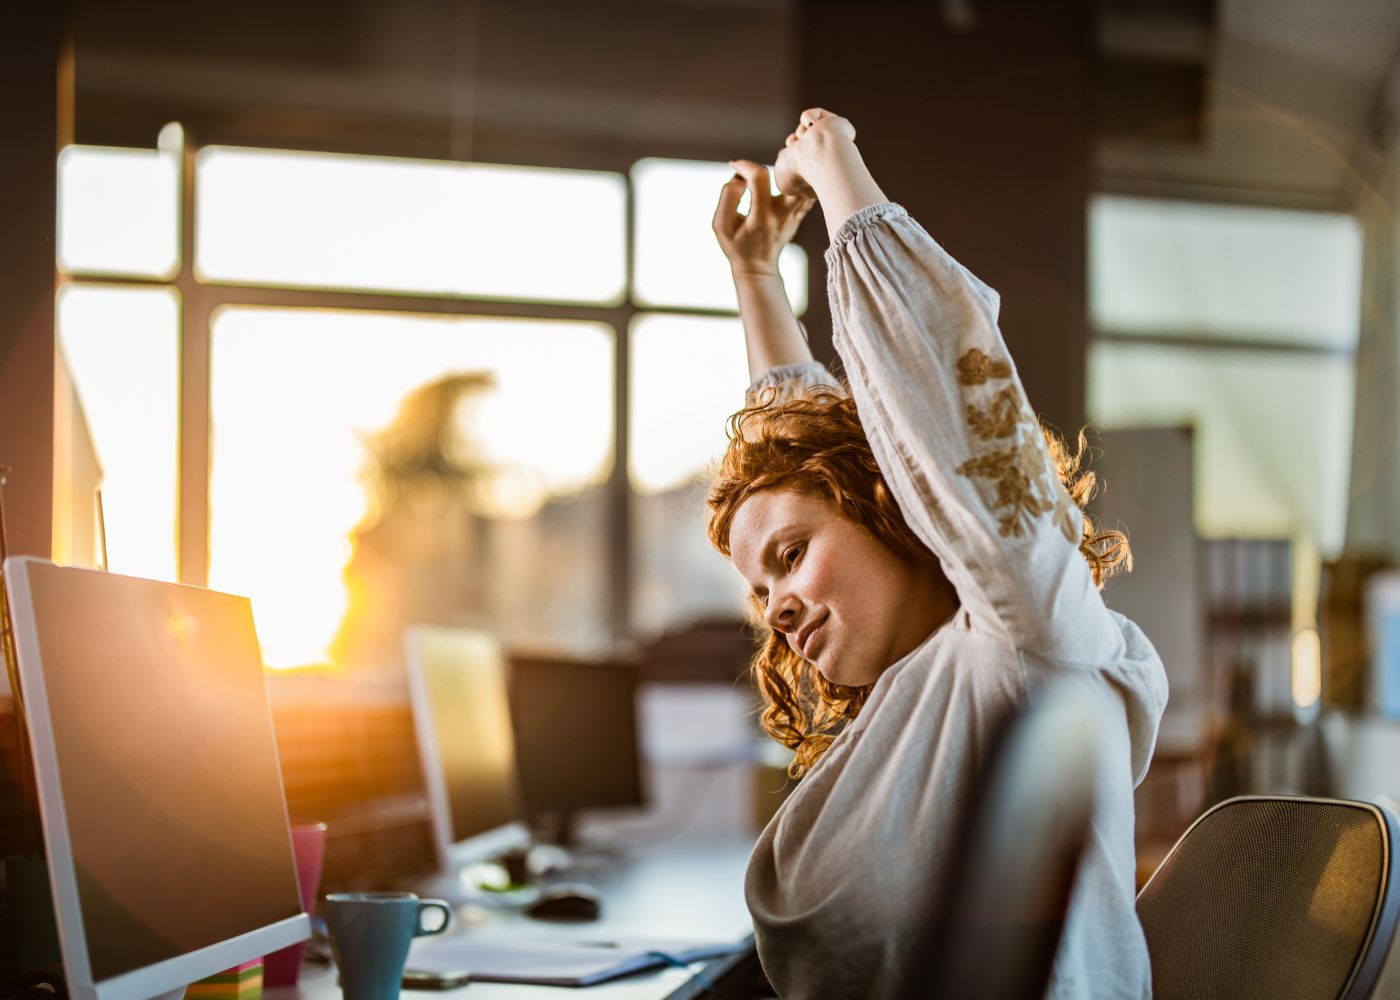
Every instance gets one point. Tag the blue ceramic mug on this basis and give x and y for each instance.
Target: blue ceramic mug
(370, 934)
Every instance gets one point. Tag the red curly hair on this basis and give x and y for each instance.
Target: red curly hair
(814, 445)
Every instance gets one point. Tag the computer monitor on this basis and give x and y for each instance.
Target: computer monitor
(576, 739)
(461, 713)
(164, 819)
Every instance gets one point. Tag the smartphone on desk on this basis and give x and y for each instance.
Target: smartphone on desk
(435, 980)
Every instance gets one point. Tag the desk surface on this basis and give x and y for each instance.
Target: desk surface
(683, 890)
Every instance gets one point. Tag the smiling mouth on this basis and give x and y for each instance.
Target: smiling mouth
(807, 636)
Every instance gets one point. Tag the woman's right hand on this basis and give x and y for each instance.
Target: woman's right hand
(752, 242)
(819, 136)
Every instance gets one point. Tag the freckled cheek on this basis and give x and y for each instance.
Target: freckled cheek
(826, 581)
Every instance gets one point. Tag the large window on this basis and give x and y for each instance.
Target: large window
(1241, 322)
(316, 221)
(390, 469)
(119, 345)
(410, 409)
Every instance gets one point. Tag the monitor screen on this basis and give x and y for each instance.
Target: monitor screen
(576, 734)
(457, 679)
(155, 755)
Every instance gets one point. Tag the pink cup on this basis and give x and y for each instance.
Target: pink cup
(309, 845)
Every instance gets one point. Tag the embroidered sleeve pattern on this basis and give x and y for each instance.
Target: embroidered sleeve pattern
(1025, 484)
(957, 440)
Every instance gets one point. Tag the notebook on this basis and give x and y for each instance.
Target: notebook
(546, 961)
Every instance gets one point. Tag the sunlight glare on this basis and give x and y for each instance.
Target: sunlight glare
(122, 348)
(422, 226)
(294, 393)
(688, 374)
(118, 211)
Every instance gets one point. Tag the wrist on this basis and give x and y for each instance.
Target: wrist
(833, 161)
(754, 272)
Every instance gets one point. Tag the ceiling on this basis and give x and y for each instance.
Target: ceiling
(1256, 101)
(1293, 90)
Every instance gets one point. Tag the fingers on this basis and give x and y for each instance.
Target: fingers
(760, 191)
(727, 217)
(813, 116)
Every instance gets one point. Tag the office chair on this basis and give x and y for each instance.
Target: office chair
(1277, 897)
(996, 934)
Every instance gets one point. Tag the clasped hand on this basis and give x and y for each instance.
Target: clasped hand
(752, 243)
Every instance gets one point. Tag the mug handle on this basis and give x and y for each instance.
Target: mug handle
(432, 904)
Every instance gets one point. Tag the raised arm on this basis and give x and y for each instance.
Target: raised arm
(752, 244)
(945, 413)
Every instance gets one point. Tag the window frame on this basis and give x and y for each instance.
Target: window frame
(199, 301)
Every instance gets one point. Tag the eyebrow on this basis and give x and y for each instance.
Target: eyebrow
(768, 555)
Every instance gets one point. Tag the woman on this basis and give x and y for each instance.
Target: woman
(923, 570)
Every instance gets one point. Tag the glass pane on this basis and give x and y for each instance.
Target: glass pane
(678, 262)
(118, 211)
(371, 471)
(121, 346)
(1273, 431)
(364, 222)
(687, 376)
(1164, 267)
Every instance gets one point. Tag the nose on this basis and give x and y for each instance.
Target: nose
(781, 614)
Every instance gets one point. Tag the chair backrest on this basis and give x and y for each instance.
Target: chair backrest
(997, 931)
(1277, 897)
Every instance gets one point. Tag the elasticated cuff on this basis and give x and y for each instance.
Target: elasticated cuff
(869, 215)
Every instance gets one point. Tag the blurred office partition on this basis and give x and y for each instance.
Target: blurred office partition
(1145, 483)
(1146, 490)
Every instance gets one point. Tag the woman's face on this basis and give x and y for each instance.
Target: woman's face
(844, 601)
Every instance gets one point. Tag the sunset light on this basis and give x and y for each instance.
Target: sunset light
(297, 393)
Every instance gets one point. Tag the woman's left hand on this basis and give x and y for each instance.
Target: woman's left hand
(752, 242)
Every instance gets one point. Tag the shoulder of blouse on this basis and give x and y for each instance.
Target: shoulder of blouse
(799, 374)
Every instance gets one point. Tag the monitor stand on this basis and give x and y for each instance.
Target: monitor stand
(562, 830)
(502, 883)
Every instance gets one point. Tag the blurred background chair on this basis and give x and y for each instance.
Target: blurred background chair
(997, 931)
(1281, 897)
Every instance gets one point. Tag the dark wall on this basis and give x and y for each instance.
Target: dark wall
(983, 134)
(981, 129)
(590, 82)
(36, 118)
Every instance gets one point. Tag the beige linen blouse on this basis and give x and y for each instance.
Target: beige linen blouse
(839, 880)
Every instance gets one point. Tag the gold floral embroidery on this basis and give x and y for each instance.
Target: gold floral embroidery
(1026, 484)
(1065, 512)
(998, 420)
(1017, 472)
(976, 368)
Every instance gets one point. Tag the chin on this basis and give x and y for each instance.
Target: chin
(846, 678)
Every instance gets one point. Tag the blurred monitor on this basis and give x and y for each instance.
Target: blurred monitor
(461, 712)
(164, 819)
(576, 739)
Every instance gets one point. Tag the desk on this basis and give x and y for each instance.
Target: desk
(683, 890)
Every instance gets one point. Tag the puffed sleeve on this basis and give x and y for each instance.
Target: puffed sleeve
(790, 381)
(961, 449)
